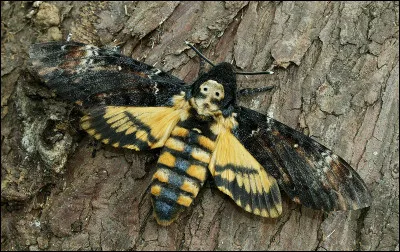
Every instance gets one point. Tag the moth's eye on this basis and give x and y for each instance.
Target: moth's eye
(205, 89)
(217, 94)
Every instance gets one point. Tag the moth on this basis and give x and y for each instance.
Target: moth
(200, 128)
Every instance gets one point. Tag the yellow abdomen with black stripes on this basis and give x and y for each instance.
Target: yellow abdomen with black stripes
(181, 169)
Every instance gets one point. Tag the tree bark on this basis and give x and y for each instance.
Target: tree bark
(336, 79)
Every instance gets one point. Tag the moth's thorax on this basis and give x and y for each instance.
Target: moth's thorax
(207, 99)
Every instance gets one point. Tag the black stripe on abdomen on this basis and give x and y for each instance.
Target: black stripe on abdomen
(181, 172)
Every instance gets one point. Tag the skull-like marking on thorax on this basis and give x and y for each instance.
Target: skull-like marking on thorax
(206, 102)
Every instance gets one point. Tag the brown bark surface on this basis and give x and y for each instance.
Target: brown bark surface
(336, 79)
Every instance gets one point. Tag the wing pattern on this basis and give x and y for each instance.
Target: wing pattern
(93, 76)
(138, 128)
(239, 175)
(306, 170)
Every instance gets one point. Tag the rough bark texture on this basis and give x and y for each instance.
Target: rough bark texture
(336, 79)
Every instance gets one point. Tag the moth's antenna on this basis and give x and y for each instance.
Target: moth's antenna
(199, 53)
(212, 64)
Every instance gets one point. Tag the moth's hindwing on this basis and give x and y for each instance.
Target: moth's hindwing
(307, 171)
(138, 128)
(239, 175)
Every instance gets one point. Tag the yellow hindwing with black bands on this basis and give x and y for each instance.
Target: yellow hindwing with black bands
(138, 128)
(238, 174)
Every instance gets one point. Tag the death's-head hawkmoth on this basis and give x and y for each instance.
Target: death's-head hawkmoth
(200, 128)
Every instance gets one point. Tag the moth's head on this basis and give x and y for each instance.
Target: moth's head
(215, 91)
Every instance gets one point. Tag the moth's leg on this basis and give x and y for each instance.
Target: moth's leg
(96, 145)
(251, 91)
(144, 194)
(210, 183)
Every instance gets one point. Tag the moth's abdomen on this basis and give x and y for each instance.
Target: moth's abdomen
(181, 172)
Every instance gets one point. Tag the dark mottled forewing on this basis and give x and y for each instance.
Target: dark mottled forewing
(307, 171)
(91, 76)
